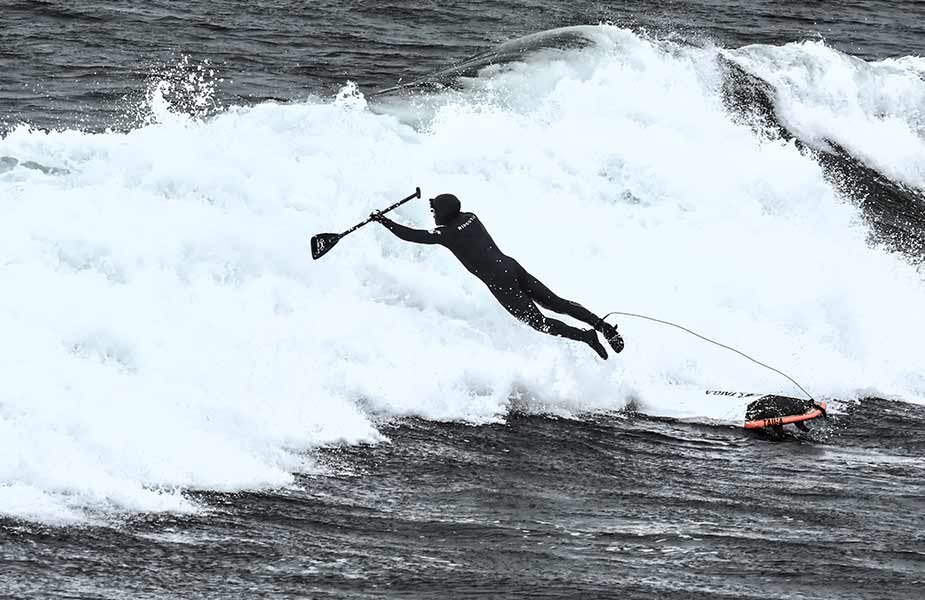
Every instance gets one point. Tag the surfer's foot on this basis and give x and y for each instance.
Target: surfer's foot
(591, 340)
(613, 338)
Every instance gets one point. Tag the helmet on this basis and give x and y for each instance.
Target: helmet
(445, 208)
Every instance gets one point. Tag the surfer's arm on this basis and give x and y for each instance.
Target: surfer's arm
(417, 236)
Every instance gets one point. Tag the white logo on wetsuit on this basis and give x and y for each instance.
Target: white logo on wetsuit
(467, 223)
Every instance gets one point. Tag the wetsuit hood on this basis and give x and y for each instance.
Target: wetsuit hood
(445, 208)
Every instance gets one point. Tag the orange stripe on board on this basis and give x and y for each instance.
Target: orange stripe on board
(785, 420)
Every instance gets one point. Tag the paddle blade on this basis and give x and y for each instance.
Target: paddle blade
(322, 243)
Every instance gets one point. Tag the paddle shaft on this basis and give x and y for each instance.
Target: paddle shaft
(416, 194)
(323, 242)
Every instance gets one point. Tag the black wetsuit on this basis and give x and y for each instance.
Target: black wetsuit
(510, 283)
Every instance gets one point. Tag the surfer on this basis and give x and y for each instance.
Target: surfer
(513, 287)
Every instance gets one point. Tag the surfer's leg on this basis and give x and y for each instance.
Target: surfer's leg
(543, 296)
(515, 301)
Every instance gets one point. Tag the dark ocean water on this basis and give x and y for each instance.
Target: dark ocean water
(80, 64)
(607, 506)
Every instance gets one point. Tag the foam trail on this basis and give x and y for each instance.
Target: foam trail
(166, 329)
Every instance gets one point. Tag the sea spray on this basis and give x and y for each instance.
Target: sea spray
(165, 328)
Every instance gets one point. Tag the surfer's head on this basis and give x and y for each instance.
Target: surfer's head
(445, 208)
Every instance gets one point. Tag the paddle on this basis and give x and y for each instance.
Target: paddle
(323, 242)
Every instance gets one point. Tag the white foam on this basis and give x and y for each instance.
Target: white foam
(875, 110)
(165, 328)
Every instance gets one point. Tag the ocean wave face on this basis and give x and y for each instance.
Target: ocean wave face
(165, 329)
(874, 109)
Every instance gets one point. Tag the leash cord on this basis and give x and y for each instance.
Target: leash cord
(705, 338)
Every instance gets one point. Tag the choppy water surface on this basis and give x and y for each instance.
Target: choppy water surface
(192, 407)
